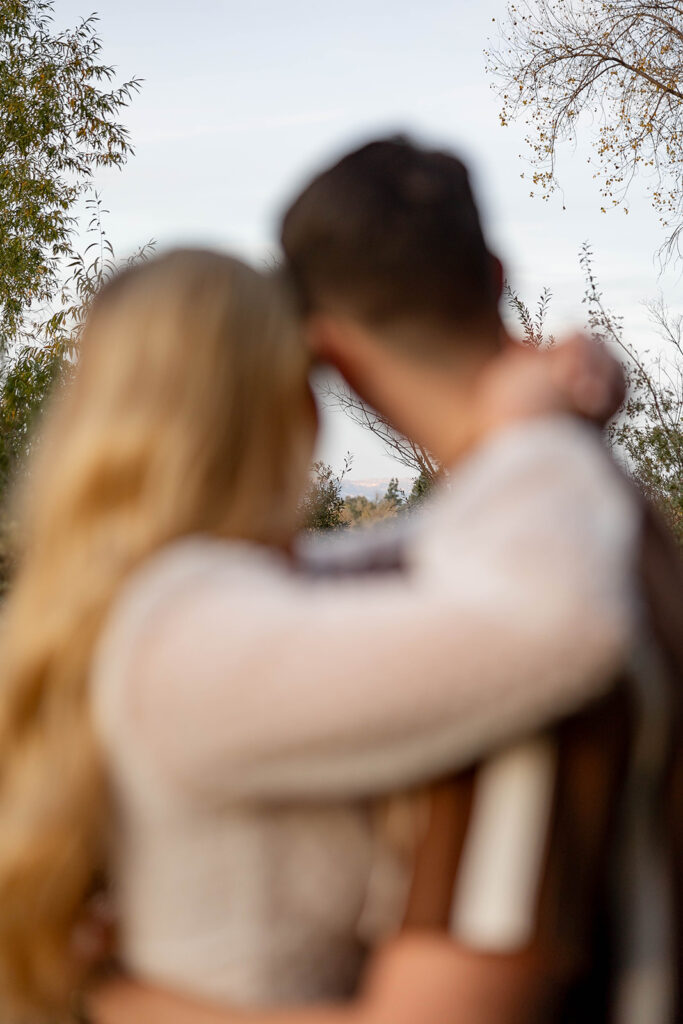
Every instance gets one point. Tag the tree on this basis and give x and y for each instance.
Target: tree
(422, 485)
(46, 357)
(409, 453)
(394, 496)
(533, 326)
(647, 435)
(362, 511)
(649, 432)
(49, 349)
(59, 123)
(621, 62)
(322, 506)
(359, 510)
(23, 389)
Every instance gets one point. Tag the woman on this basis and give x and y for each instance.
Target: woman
(173, 717)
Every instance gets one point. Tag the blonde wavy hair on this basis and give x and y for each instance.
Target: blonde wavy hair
(189, 412)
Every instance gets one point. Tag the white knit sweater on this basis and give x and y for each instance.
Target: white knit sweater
(248, 714)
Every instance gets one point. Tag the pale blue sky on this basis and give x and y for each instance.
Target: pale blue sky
(243, 100)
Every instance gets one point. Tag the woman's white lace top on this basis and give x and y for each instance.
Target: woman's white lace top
(248, 714)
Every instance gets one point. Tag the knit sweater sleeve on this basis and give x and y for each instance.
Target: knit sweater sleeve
(242, 679)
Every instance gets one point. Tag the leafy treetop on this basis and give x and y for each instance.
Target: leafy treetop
(621, 62)
(59, 123)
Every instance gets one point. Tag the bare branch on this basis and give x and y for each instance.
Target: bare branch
(620, 61)
(408, 453)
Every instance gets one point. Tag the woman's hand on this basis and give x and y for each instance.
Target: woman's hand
(588, 377)
(412, 980)
(417, 978)
(93, 938)
(577, 376)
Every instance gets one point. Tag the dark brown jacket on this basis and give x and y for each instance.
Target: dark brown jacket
(606, 927)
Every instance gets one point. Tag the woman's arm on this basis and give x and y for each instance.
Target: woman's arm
(247, 681)
(416, 979)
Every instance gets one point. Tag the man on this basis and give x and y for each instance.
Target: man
(401, 294)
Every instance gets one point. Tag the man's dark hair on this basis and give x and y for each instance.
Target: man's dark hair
(392, 233)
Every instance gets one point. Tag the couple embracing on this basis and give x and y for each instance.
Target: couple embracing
(399, 780)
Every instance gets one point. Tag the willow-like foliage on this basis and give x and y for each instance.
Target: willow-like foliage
(59, 122)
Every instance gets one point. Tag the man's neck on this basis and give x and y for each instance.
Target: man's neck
(426, 387)
(450, 423)
(437, 406)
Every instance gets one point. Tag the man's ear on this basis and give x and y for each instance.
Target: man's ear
(341, 344)
(322, 333)
(331, 340)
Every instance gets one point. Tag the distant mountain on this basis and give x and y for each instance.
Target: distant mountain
(373, 489)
